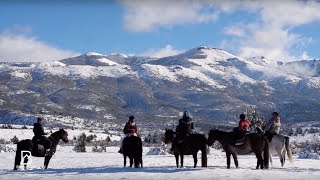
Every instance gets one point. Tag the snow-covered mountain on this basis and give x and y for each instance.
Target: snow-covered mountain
(211, 83)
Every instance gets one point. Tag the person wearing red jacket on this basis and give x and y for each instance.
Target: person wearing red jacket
(244, 124)
(239, 132)
(130, 129)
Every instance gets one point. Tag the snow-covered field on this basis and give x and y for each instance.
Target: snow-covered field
(67, 164)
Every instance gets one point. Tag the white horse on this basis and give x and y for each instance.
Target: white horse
(280, 145)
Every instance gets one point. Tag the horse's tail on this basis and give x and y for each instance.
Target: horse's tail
(266, 154)
(288, 149)
(138, 154)
(17, 159)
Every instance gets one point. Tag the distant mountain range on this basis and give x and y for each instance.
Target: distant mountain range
(211, 83)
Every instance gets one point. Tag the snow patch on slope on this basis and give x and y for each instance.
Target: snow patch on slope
(106, 61)
(93, 54)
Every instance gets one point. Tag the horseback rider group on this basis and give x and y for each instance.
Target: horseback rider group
(185, 128)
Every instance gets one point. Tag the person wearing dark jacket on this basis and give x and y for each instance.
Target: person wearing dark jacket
(130, 129)
(39, 134)
(184, 129)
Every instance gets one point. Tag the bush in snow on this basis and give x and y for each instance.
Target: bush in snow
(256, 119)
(153, 139)
(3, 141)
(24, 127)
(308, 155)
(161, 150)
(99, 146)
(90, 138)
(14, 140)
(7, 126)
(80, 145)
(311, 150)
(4, 148)
(108, 139)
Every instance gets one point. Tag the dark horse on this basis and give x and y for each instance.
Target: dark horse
(132, 148)
(38, 150)
(190, 146)
(253, 142)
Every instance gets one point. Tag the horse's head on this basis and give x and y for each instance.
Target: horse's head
(63, 135)
(212, 137)
(169, 135)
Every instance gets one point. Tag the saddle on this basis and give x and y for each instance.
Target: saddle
(238, 138)
(269, 135)
(40, 148)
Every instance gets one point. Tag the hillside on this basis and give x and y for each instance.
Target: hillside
(211, 83)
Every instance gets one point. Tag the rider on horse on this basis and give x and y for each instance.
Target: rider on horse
(242, 129)
(39, 134)
(183, 130)
(273, 126)
(130, 129)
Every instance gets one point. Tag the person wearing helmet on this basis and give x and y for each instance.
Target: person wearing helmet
(184, 129)
(130, 129)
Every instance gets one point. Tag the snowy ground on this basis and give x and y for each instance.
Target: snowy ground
(67, 164)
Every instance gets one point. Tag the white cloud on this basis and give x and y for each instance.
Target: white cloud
(148, 15)
(23, 48)
(270, 34)
(234, 31)
(163, 52)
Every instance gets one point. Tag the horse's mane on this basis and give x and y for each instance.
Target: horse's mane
(55, 134)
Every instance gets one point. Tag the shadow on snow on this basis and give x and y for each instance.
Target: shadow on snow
(95, 170)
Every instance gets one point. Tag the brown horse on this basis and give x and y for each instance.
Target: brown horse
(253, 142)
(38, 150)
(190, 146)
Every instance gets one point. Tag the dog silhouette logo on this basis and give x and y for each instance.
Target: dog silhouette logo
(26, 157)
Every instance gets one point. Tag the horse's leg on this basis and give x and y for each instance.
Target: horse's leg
(138, 162)
(235, 159)
(17, 158)
(25, 161)
(131, 161)
(141, 162)
(259, 161)
(195, 160)
(46, 161)
(176, 155)
(204, 159)
(124, 160)
(271, 160)
(181, 159)
(228, 159)
(283, 155)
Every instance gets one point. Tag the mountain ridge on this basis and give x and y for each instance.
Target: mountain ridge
(211, 83)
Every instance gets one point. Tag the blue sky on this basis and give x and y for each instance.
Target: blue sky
(45, 31)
